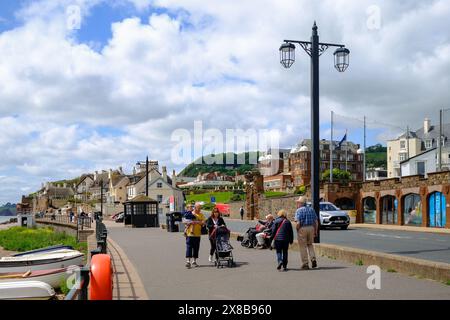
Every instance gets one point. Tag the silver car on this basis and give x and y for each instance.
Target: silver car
(332, 216)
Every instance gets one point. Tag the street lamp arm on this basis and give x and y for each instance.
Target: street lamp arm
(306, 46)
(320, 43)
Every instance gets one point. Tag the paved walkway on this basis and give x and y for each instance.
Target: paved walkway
(396, 240)
(158, 257)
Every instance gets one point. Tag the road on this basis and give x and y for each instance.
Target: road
(428, 246)
(158, 257)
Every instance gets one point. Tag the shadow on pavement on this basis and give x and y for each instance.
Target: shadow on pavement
(318, 268)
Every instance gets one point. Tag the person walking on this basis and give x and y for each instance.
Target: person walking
(241, 212)
(282, 236)
(214, 221)
(194, 221)
(307, 228)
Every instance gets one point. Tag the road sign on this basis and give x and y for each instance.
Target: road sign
(213, 199)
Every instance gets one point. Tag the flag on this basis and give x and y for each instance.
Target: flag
(343, 139)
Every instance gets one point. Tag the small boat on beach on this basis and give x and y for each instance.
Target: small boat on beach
(50, 277)
(61, 258)
(43, 250)
(26, 290)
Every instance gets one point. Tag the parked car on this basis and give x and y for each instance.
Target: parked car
(119, 218)
(332, 216)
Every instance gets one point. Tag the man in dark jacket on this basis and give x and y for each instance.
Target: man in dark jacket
(282, 235)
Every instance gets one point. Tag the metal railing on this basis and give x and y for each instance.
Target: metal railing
(80, 290)
(81, 222)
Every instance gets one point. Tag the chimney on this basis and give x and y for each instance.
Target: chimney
(110, 174)
(95, 175)
(426, 125)
(121, 170)
(134, 170)
(174, 179)
(164, 173)
(64, 185)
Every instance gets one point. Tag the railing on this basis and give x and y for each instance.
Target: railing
(81, 222)
(101, 234)
(80, 290)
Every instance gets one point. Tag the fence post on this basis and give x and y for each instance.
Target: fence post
(84, 274)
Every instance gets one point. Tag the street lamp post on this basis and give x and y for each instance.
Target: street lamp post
(314, 49)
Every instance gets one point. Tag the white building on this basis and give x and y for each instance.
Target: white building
(414, 143)
(375, 174)
(423, 163)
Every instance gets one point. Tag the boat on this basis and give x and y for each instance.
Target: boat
(26, 290)
(50, 277)
(47, 249)
(57, 259)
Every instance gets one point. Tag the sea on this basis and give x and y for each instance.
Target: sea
(5, 219)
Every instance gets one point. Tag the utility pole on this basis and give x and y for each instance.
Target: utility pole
(146, 177)
(364, 154)
(440, 140)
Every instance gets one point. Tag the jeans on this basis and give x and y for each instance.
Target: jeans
(213, 247)
(192, 247)
(282, 248)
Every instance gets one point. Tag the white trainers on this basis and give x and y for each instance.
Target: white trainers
(211, 258)
(194, 264)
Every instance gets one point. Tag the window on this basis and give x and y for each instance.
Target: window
(402, 156)
(428, 144)
(160, 198)
(420, 167)
(159, 185)
(402, 144)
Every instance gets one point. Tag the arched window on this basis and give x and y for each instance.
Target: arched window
(412, 210)
(370, 210)
(345, 203)
(389, 210)
(437, 210)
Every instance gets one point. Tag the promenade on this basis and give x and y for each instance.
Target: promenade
(421, 243)
(158, 258)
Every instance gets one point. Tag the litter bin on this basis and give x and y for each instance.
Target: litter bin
(170, 222)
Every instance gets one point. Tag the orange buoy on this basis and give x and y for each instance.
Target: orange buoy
(101, 282)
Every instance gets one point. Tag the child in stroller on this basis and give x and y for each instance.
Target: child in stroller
(224, 249)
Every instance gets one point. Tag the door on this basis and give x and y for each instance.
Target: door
(437, 210)
(389, 210)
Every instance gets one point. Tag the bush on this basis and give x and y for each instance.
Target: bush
(24, 239)
(236, 197)
(301, 190)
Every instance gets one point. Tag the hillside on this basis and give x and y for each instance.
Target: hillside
(192, 170)
(8, 210)
(376, 156)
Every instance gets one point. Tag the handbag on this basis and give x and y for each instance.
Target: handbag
(204, 230)
(272, 244)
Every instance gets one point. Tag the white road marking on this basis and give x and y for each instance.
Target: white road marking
(387, 236)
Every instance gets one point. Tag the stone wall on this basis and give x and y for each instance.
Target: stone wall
(69, 229)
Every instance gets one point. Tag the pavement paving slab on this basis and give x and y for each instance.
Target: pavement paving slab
(158, 257)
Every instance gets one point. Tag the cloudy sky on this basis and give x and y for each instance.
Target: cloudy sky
(93, 84)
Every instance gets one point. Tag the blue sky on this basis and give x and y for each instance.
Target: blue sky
(137, 71)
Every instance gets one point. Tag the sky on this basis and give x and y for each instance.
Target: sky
(88, 85)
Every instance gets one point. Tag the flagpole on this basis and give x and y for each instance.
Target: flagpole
(331, 150)
(364, 154)
(346, 150)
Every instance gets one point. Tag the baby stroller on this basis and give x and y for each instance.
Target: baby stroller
(224, 249)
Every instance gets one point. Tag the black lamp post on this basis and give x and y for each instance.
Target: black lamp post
(314, 49)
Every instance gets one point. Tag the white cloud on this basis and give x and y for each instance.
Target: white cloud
(215, 61)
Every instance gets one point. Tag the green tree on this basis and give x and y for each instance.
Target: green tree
(339, 175)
